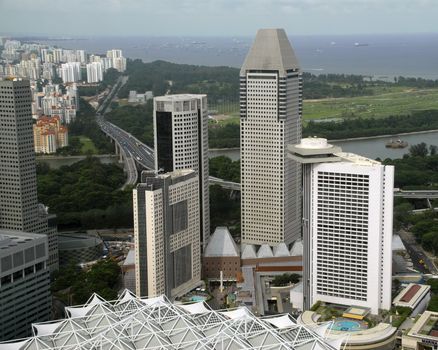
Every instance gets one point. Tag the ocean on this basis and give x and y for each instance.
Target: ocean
(379, 56)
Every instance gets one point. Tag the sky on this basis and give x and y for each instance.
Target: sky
(215, 17)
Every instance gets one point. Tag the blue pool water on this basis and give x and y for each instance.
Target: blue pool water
(197, 298)
(346, 326)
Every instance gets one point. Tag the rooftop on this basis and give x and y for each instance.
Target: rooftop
(271, 50)
(133, 323)
(411, 295)
(221, 244)
(179, 97)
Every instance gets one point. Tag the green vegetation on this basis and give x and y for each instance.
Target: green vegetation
(225, 210)
(219, 83)
(393, 101)
(361, 127)
(75, 286)
(86, 194)
(137, 120)
(433, 303)
(400, 314)
(224, 168)
(85, 127)
(315, 306)
(285, 279)
(418, 170)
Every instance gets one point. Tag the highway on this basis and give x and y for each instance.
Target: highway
(416, 194)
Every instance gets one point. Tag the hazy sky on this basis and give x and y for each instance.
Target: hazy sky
(216, 17)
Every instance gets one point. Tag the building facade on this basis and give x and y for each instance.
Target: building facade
(181, 142)
(167, 233)
(270, 119)
(19, 207)
(49, 135)
(24, 283)
(347, 226)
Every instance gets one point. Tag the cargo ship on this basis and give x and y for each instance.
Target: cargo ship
(396, 144)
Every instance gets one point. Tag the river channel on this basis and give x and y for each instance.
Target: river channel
(368, 147)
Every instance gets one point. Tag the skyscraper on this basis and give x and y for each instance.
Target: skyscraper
(181, 142)
(19, 208)
(166, 229)
(270, 119)
(347, 226)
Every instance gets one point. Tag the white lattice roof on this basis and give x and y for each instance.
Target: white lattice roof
(132, 323)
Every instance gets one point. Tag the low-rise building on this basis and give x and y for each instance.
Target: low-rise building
(415, 297)
(424, 333)
(221, 255)
(78, 248)
(24, 283)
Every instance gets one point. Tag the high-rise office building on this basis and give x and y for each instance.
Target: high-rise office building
(167, 233)
(181, 142)
(270, 119)
(24, 283)
(19, 208)
(347, 226)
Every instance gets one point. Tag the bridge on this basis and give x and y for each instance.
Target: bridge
(416, 194)
(137, 156)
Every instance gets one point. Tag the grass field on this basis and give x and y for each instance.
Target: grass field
(386, 101)
(87, 145)
(393, 101)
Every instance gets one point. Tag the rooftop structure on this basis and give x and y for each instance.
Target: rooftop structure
(221, 244)
(423, 334)
(414, 296)
(131, 323)
(76, 248)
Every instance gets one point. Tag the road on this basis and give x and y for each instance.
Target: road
(416, 194)
(417, 253)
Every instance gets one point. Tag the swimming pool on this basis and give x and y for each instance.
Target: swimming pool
(347, 326)
(198, 298)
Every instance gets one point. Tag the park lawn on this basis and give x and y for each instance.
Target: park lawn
(390, 101)
(87, 145)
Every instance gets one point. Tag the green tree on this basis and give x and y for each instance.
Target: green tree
(419, 150)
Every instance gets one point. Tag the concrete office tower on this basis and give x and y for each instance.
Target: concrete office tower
(19, 208)
(347, 226)
(24, 283)
(270, 119)
(181, 142)
(166, 230)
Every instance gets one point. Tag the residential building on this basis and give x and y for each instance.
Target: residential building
(49, 135)
(347, 226)
(94, 72)
(181, 142)
(132, 323)
(19, 208)
(118, 61)
(270, 119)
(24, 283)
(167, 233)
(70, 72)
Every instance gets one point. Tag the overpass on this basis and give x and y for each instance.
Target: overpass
(416, 194)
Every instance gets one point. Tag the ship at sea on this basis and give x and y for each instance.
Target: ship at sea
(396, 144)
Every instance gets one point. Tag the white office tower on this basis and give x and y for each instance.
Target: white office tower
(70, 72)
(270, 119)
(347, 226)
(181, 142)
(94, 72)
(166, 231)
